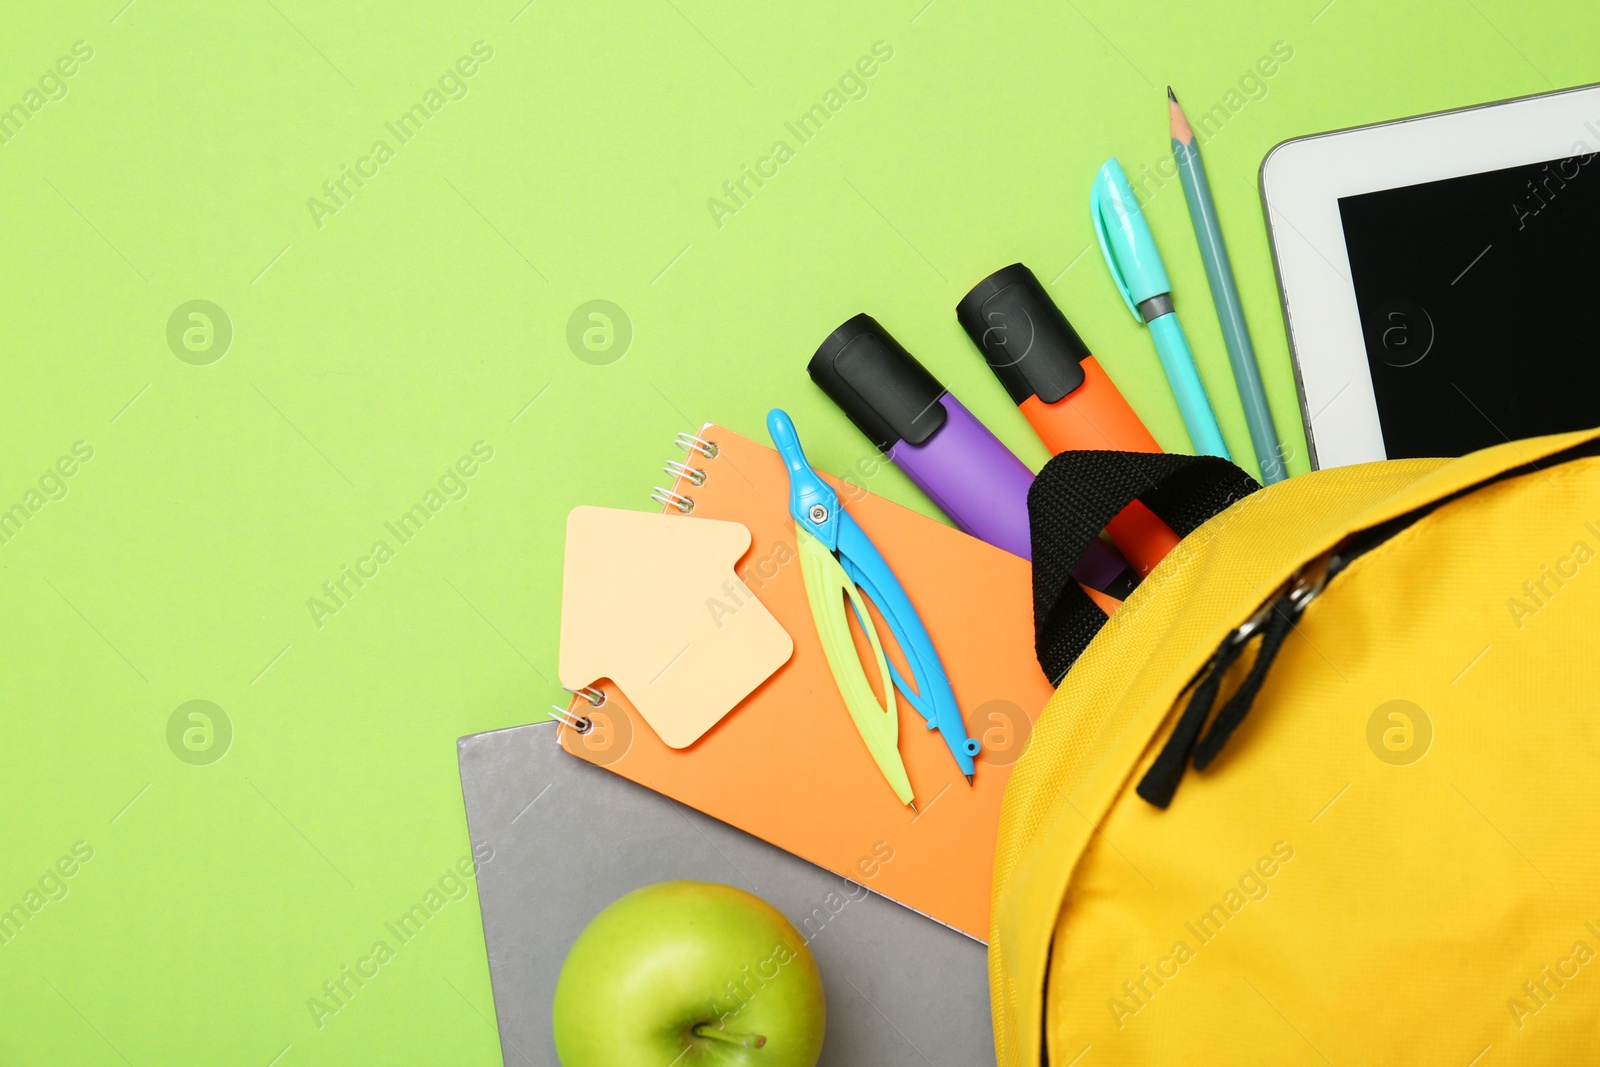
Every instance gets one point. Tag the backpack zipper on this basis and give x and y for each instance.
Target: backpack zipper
(1303, 586)
(1273, 622)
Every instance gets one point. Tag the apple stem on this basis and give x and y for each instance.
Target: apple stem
(732, 1037)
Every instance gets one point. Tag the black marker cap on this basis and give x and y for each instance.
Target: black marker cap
(1027, 342)
(885, 391)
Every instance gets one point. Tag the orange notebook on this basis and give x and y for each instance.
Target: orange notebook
(787, 764)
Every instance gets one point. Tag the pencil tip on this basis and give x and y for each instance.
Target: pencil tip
(912, 804)
(1177, 120)
(969, 779)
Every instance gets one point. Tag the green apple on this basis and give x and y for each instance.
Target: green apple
(689, 974)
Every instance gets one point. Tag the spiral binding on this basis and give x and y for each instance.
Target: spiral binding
(566, 718)
(691, 443)
(696, 476)
(595, 697)
(667, 497)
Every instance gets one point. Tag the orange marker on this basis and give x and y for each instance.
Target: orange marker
(1061, 389)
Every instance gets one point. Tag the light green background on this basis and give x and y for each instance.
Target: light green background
(372, 352)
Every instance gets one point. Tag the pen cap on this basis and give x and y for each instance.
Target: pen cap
(1024, 337)
(1125, 238)
(885, 391)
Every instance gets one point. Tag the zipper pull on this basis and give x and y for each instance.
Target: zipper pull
(1311, 578)
(1303, 586)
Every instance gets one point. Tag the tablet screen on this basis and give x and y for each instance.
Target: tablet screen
(1478, 298)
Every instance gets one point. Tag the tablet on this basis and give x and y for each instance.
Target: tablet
(1440, 276)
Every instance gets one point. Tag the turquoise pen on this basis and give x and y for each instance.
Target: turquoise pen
(1131, 254)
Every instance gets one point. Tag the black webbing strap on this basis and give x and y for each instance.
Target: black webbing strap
(1071, 501)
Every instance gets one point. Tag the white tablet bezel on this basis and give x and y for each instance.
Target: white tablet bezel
(1301, 183)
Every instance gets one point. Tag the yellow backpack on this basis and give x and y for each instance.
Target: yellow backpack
(1369, 699)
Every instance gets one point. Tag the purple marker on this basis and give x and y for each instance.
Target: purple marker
(952, 457)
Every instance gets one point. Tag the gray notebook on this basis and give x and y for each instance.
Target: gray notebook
(569, 838)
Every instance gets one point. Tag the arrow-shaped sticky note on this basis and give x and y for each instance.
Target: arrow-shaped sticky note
(653, 603)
